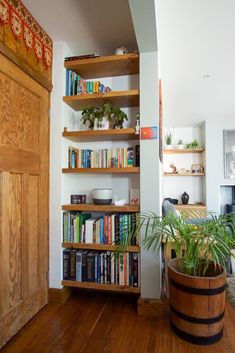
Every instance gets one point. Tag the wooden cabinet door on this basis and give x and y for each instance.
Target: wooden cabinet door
(24, 151)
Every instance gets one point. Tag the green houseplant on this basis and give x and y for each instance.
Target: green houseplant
(89, 114)
(95, 115)
(168, 136)
(196, 277)
(193, 145)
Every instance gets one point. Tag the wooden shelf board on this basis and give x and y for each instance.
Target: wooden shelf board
(100, 286)
(127, 170)
(120, 98)
(86, 207)
(186, 174)
(100, 247)
(183, 151)
(101, 135)
(191, 206)
(106, 66)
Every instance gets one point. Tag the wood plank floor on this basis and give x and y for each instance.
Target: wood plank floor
(101, 323)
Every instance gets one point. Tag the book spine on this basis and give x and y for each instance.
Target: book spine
(99, 268)
(90, 267)
(79, 266)
(137, 155)
(84, 266)
(135, 268)
(65, 227)
(121, 270)
(66, 264)
(108, 256)
(73, 265)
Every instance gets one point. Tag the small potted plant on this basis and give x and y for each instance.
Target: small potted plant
(102, 121)
(180, 144)
(168, 139)
(90, 115)
(193, 145)
(118, 117)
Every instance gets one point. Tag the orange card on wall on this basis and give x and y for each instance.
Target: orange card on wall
(148, 133)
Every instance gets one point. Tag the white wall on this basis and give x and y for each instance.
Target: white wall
(215, 160)
(150, 170)
(55, 264)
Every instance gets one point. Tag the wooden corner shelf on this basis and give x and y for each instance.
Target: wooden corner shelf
(100, 247)
(105, 66)
(101, 135)
(127, 170)
(122, 99)
(90, 207)
(103, 287)
(191, 206)
(184, 151)
(185, 174)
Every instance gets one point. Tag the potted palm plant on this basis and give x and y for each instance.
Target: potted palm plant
(197, 276)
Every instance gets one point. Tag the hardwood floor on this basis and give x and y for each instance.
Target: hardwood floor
(101, 323)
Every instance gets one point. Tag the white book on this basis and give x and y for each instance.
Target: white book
(112, 269)
(89, 230)
(121, 270)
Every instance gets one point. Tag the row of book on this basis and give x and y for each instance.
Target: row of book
(121, 157)
(101, 267)
(104, 229)
(75, 85)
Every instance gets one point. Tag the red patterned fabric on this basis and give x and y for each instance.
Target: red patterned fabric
(23, 24)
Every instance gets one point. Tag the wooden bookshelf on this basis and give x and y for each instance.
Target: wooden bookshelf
(100, 247)
(101, 135)
(127, 170)
(122, 99)
(90, 207)
(103, 287)
(106, 66)
(184, 151)
(185, 174)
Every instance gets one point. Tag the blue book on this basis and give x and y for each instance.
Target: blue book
(99, 268)
(67, 82)
(102, 230)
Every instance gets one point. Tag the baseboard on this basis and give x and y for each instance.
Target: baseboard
(59, 296)
(151, 307)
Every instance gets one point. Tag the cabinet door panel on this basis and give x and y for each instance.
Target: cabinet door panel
(24, 151)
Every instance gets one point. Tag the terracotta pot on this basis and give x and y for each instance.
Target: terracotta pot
(197, 305)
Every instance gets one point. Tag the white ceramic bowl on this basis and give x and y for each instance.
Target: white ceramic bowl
(102, 196)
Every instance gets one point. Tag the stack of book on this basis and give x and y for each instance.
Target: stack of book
(105, 229)
(75, 85)
(103, 158)
(101, 267)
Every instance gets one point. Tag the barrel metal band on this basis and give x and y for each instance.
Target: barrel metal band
(197, 320)
(200, 340)
(198, 291)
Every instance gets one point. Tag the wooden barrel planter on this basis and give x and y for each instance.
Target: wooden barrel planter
(197, 305)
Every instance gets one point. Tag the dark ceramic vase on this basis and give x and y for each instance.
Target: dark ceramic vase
(185, 198)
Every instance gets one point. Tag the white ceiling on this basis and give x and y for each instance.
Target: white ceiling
(87, 26)
(196, 45)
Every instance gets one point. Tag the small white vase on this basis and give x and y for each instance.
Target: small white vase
(180, 147)
(168, 147)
